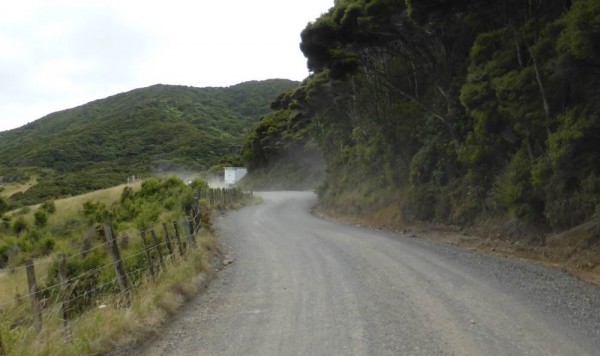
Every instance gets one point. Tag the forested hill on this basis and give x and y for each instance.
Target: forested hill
(454, 111)
(156, 128)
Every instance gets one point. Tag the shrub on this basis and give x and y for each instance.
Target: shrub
(4, 253)
(43, 247)
(127, 194)
(150, 187)
(19, 225)
(87, 268)
(148, 215)
(4, 206)
(40, 218)
(24, 210)
(6, 221)
(198, 184)
(49, 207)
(187, 199)
(47, 245)
(95, 212)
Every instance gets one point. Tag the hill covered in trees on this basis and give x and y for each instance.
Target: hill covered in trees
(159, 128)
(454, 111)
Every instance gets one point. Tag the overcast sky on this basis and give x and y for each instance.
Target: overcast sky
(57, 54)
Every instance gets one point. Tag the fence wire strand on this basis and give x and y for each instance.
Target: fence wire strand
(52, 304)
(104, 244)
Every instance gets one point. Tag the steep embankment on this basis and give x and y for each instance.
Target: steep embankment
(452, 112)
(279, 150)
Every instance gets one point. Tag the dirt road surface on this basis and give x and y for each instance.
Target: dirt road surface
(300, 285)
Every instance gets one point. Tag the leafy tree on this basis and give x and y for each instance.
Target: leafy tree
(453, 110)
(581, 36)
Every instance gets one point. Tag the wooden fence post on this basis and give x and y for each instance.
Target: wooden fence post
(192, 232)
(147, 251)
(187, 225)
(192, 223)
(158, 249)
(64, 295)
(198, 220)
(33, 291)
(124, 284)
(168, 239)
(179, 245)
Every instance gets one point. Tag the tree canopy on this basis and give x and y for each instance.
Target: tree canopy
(458, 110)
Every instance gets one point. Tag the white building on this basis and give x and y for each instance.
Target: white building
(234, 174)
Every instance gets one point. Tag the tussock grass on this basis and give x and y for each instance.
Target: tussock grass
(110, 324)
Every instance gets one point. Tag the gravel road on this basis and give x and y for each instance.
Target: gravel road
(300, 285)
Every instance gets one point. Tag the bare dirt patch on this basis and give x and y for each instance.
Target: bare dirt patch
(576, 251)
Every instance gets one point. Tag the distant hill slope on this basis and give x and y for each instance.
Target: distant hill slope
(156, 128)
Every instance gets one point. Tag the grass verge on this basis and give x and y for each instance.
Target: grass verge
(110, 325)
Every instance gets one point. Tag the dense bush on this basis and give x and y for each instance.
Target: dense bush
(4, 205)
(40, 218)
(465, 111)
(159, 128)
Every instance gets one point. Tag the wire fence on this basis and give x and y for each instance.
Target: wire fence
(69, 292)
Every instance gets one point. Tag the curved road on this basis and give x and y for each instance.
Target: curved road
(303, 286)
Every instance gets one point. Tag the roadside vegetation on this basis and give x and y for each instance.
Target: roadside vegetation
(97, 313)
(459, 113)
(146, 131)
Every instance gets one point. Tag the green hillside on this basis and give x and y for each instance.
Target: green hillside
(450, 111)
(145, 130)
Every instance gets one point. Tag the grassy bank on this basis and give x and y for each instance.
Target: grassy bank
(109, 324)
(92, 300)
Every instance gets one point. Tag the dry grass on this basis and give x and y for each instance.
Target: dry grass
(111, 325)
(14, 282)
(68, 207)
(11, 189)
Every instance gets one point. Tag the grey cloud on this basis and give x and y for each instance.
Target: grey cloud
(107, 48)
